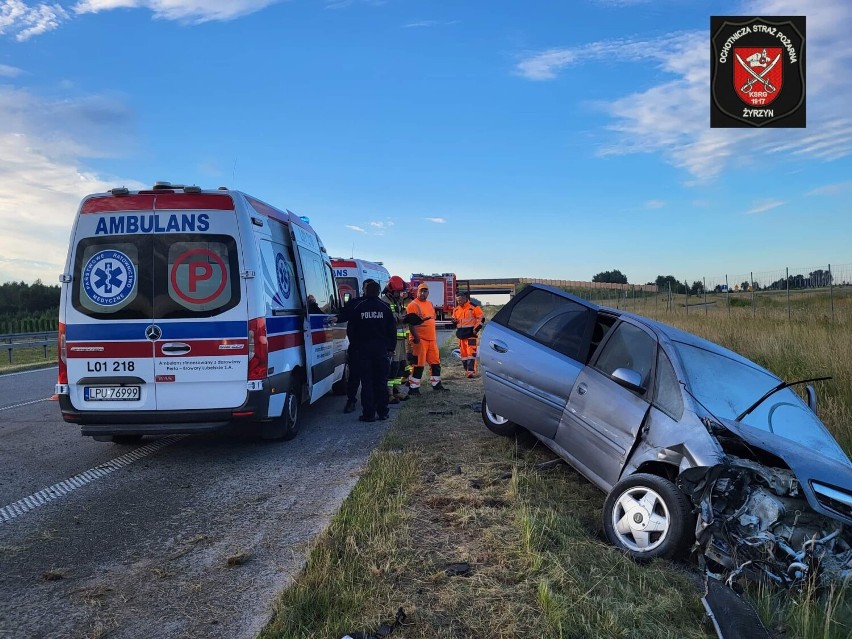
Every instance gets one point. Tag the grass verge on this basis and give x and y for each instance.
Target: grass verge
(442, 494)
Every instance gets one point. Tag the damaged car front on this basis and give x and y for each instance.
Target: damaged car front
(778, 505)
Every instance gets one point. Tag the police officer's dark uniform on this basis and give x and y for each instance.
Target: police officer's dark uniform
(353, 379)
(372, 330)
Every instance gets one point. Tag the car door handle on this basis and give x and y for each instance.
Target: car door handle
(500, 347)
(581, 389)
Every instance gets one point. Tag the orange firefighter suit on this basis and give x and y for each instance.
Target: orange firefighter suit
(468, 320)
(420, 316)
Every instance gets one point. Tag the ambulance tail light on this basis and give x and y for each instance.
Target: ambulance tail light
(62, 353)
(258, 349)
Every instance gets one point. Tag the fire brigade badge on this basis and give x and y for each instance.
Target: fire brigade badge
(757, 71)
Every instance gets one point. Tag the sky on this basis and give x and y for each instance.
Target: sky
(489, 138)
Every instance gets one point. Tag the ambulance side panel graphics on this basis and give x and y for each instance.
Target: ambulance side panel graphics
(283, 309)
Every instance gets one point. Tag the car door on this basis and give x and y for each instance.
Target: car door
(602, 417)
(531, 354)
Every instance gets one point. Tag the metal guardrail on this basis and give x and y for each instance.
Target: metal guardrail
(9, 338)
(11, 342)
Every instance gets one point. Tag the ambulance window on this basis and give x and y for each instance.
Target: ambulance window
(347, 286)
(113, 277)
(315, 283)
(329, 282)
(197, 276)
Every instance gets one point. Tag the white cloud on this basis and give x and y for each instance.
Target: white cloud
(9, 72)
(672, 116)
(831, 189)
(437, 220)
(378, 225)
(654, 204)
(425, 24)
(25, 21)
(194, 11)
(763, 207)
(356, 228)
(42, 176)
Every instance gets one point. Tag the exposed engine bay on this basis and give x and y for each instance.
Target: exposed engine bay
(754, 521)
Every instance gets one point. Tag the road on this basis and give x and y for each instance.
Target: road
(192, 539)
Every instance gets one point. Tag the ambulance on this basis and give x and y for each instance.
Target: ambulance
(351, 274)
(187, 311)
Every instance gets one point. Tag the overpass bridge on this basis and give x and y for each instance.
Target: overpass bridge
(509, 285)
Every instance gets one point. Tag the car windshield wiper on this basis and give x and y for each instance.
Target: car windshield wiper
(772, 391)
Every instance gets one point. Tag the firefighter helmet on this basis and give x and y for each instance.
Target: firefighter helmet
(396, 284)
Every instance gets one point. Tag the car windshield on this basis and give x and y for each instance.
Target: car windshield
(727, 387)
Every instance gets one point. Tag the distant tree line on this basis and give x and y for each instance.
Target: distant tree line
(28, 308)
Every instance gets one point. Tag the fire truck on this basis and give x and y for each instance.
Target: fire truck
(442, 292)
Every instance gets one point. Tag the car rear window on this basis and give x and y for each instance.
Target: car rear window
(553, 320)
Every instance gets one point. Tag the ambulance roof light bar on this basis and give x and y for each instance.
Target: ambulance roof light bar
(168, 186)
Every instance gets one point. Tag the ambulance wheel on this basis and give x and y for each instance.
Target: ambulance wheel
(126, 439)
(286, 426)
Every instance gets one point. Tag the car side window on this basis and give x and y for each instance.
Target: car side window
(628, 347)
(667, 396)
(553, 320)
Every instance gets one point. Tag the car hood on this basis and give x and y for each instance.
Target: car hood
(808, 465)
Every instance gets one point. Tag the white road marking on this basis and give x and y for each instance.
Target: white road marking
(46, 495)
(35, 401)
(35, 370)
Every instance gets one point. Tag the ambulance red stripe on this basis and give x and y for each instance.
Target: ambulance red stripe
(99, 350)
(280, 342)
(204, 348)
(159, 202)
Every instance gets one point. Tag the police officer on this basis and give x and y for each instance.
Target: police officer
(353, 378)
(372, 331)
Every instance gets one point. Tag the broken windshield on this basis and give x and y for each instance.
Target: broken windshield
(727, 387)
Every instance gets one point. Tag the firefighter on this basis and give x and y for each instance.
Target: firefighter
(468, 320)
(373, 334)
(420, 316)
(395, 295)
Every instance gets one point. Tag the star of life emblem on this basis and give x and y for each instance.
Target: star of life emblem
(282, 274)
(109, 277)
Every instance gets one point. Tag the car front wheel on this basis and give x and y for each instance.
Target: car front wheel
(497, 424)
(647, 516)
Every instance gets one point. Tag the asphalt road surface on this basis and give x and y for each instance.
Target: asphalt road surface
(174, 537)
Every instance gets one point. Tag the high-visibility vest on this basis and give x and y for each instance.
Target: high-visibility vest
(467, 315)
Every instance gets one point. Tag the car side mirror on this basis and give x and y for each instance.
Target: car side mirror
(628, 378)
(812, 398)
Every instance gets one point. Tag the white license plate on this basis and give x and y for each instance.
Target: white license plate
(111, 393)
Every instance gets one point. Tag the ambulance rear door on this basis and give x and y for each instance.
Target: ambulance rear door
(108, 304)
(200, 306)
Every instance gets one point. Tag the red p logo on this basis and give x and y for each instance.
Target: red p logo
(198, 271)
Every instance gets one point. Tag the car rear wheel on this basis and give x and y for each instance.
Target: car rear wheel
(497, 424)
(647, 516)
(286, 426)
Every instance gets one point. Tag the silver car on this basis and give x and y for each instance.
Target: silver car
(693, 443)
